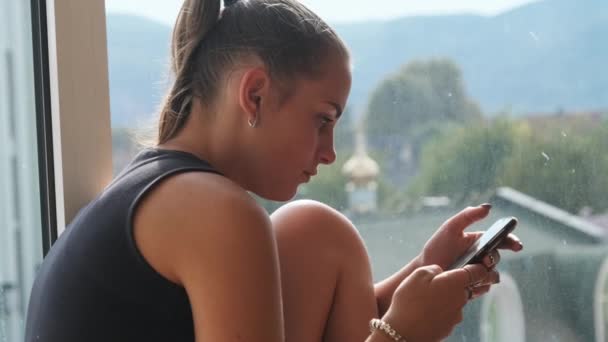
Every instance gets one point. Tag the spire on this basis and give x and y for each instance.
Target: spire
(360, 168)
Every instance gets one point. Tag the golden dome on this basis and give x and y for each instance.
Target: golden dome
(360, 167)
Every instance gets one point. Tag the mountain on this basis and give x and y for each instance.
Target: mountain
(138, 56)
(540, 57)
(536, 58)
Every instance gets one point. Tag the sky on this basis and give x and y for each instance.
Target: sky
(335, 11)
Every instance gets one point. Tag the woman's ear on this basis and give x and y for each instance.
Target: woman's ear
(253, 91)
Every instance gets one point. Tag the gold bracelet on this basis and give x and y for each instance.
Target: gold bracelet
(378, 324)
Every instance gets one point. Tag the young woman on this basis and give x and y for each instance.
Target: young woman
(175, 249)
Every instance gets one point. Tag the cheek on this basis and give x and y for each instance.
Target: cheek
(305, 142)
(297, 138)
(296, 149)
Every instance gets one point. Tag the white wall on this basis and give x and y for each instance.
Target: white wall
(20, 232)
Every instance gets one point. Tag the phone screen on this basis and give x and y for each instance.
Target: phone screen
(487, 242)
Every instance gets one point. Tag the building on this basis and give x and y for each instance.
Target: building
(362, 174)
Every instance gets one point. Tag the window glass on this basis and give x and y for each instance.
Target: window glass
(20, 221)
(452, 104)
(502, 316)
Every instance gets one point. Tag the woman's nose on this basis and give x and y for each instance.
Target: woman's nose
(328, 154)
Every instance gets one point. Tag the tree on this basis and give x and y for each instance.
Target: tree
(467, 162)
(420, 94)
(565, 168)
(568, 171)
(412, 107)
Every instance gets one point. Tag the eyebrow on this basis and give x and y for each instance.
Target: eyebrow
(337, 107)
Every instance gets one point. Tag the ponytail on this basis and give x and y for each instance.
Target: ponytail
(195, 19)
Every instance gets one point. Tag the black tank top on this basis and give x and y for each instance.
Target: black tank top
(94, 284)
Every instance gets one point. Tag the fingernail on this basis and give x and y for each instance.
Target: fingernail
(521, 245)
(486, 205)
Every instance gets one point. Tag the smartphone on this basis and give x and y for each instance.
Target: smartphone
(490, 239)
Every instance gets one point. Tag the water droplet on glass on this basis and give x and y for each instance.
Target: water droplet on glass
(534, 36)
(546, 156)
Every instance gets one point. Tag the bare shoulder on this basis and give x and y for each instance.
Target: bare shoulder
(195, 212)
(204, 232)
(203, 190)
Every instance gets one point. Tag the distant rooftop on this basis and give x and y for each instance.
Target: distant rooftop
(551, 212)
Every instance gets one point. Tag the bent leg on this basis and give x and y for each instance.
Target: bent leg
(326, 275)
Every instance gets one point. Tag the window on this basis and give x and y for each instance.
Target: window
(601, 304)
(20, 197)
(452, 104)
(502, 314)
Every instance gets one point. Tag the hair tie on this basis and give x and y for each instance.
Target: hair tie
(228, 3)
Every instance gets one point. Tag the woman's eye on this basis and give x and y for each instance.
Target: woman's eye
(325, 120)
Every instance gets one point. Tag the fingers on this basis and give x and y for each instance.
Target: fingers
(471, 237)
(492, 259)
(467, 217)
(429, 272)
(469, 275)
(493, 278)
(485, 286)
(478, 274)
(512, 242)
(469, 293)
(475, 280)
(479, 291)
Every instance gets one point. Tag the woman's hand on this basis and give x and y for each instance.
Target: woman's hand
(445, 246)
(428, 304)
(450, 241)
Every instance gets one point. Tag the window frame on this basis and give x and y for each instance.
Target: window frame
(42, 100)
(601, 302)
(73, 108)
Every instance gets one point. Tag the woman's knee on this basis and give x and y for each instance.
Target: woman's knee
(311, 224)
